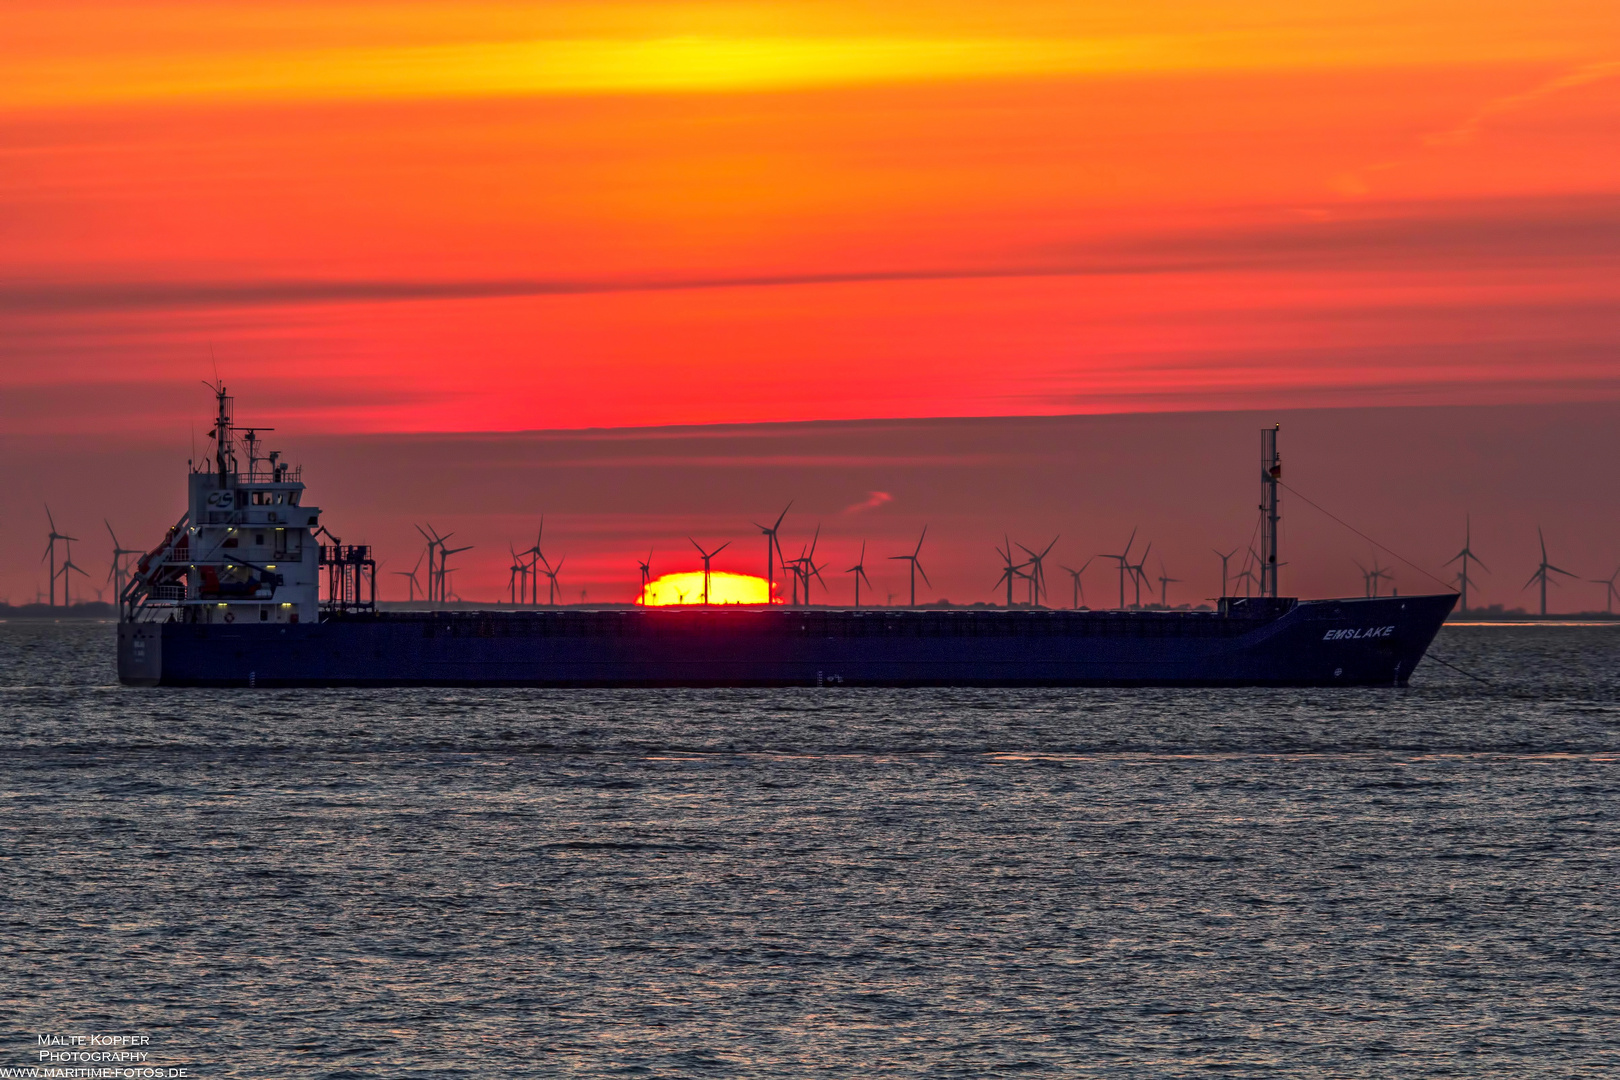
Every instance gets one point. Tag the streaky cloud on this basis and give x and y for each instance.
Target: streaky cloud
(1581, 230)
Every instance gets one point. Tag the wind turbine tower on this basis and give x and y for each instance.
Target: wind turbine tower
(1542, 572)
(445, 568)
(535, 558)
(68, 568)
(707, 556)
(1609, 590)
(434, 543)
(117, 573)
(1012, 571)
(1123, 559)
(50, 550)
(1079, 586)
(552, 587)
(646, 576)
(1139, 575)
(773, 550)
(1165, 581)
(1037, 572)
(916, 566)
(859, 570)
(410, 577)
(1225, 559)
(1466, 555)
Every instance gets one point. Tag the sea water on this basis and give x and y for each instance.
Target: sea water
(816, 882)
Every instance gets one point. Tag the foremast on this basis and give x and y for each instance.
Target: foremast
(1270, 510)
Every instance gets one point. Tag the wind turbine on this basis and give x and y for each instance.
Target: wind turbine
(517, 571)
(434, 543)
(1122, 557)
(808, 567)
(551, 572)
(1165, 582)
(773, 548)
(535, 557)
(706, 556)
(1541, 572)
(1224, 560)
(804, 568)
(1012, 571)
(916, 566)
(1037, 572)
(1369, 578)
(69, 567)
(50, 551)
(1139, 575)
(444, 567)
(646, 576)
(1466, 554)
(410, 576)
(1079, 586)
(1379, 573)
(811, 570)
(859, 570)
(1609, 590)
(116, 573)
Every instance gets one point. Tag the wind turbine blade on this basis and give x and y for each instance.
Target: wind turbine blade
(920, 540)
(782, 515)
(924, 574)
(727, 544)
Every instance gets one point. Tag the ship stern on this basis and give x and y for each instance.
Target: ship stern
(140, 653)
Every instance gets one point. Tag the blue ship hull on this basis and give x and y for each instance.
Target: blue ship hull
(1263, 642)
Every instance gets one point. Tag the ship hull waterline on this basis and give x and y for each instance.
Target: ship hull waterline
(1317, 643)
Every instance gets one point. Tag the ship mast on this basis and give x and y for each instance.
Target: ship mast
(1270, 512)
(222, 434)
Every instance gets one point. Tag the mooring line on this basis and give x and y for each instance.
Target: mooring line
(1458, 670)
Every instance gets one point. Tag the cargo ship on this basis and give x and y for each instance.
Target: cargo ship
(233, 596)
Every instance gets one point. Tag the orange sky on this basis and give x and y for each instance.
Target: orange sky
(387, 216)
(383, 217)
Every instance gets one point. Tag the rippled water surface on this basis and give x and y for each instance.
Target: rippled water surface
(798, 883)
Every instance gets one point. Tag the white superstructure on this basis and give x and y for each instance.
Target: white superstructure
(245, 550)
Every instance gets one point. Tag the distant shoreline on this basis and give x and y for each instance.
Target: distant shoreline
(95, 610)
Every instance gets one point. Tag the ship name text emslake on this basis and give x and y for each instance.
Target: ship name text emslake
(1364, 632)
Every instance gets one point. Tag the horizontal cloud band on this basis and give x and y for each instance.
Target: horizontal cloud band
(1580, 231)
